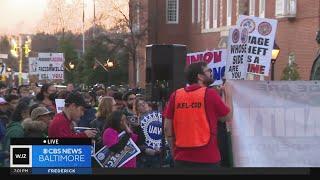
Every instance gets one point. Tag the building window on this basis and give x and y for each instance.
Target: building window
(286, 8)
(229, 12)
(207, 15)
(215, 13)
(252, 8)
(243, 7)
(262, 8)
(199, 11)
(192, 10)
(172, 11)
(136, 21)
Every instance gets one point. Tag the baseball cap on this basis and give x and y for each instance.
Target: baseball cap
(39, 111)
(2, 101)
(76, 98)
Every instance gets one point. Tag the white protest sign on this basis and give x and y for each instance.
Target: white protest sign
(151, 125)
(108, 159)
(59, 105)
(260, 43)
(237, 64)
(33, 65)
(216, 61)
(50, 66)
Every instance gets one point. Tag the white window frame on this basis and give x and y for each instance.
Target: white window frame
(262, 8)
(229, 12)
(199, 11)
(192, 11)
(252, 8)
(215, 9)
(207, 14)
(177, 13)
(136, 23)
(280, 10)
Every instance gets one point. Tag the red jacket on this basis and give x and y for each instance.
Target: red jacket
(61, 127)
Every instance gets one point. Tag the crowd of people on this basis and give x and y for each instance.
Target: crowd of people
(30, 112)
(191, 123)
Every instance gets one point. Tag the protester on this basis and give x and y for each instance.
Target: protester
(4, 118)
(70, 87)
(46, 97)
(117, 123)
(119, 102)
(14, 128)
(149, 158)
(62, 123)
(3, 89)
(129, 98)
(13, 91)
(191, 120)
(13, 101)
(34, 88)
(89, 113)
(23, 91)
(105, 108)
(37, 125)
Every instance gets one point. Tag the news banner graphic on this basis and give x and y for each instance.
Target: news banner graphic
(50, 156)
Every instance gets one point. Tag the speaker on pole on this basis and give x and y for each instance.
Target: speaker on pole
(165, 70)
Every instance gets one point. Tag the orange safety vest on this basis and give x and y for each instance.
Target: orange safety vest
(190, 122)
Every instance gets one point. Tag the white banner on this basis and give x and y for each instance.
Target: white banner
(33, 64)
(50, 66)
(275, 124)
(260, 44)
(216, 61)
(59, 105)
(237, 63)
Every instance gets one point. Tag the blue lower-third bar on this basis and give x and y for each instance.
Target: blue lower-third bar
(62, 171)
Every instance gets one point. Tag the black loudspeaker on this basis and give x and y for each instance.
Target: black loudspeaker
(165, 70)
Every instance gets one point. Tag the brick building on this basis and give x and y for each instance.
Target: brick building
(204, 25)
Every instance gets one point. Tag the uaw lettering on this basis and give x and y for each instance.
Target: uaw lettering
(216, 60)
(151, 124)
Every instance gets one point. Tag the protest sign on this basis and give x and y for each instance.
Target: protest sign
(216, 60)
(151, 125)
(260, 42)
(59, 105)
(50, 66)
(237, 64)
(275, 124)
(108, 159)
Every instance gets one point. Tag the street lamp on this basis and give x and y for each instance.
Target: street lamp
(275, 54)
(71, 65)
(109, 64)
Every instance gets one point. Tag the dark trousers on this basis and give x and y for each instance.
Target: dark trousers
(186, 164)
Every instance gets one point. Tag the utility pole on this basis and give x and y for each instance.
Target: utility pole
(83, 30)
(94, 19)
(20, 60)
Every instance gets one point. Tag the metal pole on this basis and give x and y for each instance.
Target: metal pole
(83, 35)
(20, 61)
(272, 71)
(94, 18)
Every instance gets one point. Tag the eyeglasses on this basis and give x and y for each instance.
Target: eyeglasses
(130, 99)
